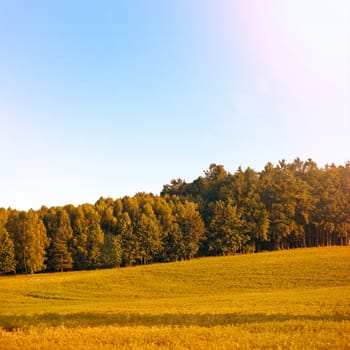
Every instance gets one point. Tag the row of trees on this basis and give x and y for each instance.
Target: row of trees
(287, 205)
(284, 206)
(122, 232)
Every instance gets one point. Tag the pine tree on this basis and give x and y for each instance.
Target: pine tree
(148, 237)
(225, 236)
(111, 251)
(128, 239)
(60, 232)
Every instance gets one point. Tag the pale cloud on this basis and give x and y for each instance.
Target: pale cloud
(304, 45)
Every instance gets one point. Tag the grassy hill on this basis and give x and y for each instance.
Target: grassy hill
(289, 299)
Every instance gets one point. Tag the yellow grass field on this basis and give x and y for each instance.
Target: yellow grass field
(296, 299)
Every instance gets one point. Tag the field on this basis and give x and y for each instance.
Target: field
(297, 299)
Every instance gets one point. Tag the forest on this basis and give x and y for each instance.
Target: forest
(284, 206)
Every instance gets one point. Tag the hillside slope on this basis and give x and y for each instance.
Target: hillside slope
(309, 288)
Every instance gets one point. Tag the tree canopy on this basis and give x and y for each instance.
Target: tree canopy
(287, 205)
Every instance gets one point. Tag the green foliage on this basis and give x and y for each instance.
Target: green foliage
(111, 251)
(226, 236)
(284, 206)
(191, 228)
(147, 234)
(60, 233)
(128, 240)
(288, 205)
(87, 238)
(279, 194)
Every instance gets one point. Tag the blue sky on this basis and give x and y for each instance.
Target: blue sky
(109, 98)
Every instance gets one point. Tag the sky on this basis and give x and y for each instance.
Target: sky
(111, 98)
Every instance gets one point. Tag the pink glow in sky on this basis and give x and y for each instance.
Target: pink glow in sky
(304, 45)
(114, 97)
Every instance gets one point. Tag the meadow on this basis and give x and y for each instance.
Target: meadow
(293, 299)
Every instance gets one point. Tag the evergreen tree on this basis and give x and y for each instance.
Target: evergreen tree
(331, 206)
(59, 230)
(242, 191)
(171, 235)
(111, 251)
(129, 244)
(279, 194)
(225, 234)
(147, 234)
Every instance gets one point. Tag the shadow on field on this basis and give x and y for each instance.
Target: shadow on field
(88, 319)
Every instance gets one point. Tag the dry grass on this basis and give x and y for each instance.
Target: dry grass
(270, 335)
(296, 299)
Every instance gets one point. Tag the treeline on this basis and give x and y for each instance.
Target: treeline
(287, 205)
(122, 232)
